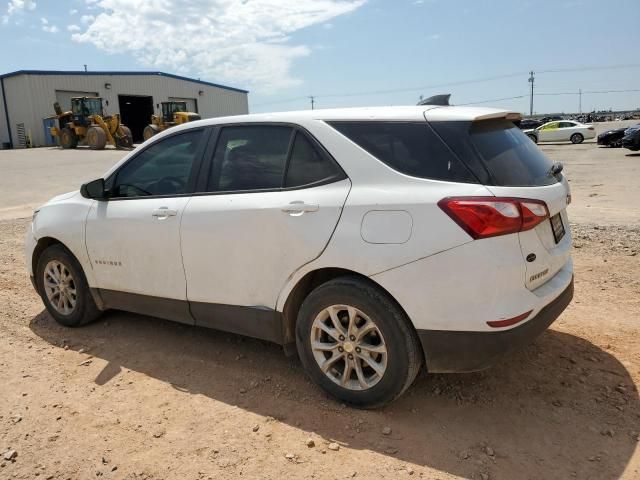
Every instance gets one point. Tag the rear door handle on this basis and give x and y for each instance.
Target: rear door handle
(163, 212)
(299, 207)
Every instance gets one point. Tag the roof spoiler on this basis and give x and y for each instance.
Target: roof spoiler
(439, 100)
(512, 116)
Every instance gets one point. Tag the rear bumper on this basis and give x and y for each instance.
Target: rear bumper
(460, 351)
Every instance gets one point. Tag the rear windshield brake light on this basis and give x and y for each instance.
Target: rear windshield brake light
(484, 217)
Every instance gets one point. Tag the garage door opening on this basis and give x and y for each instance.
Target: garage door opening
(135, 112)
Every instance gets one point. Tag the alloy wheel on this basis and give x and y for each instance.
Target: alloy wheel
(348, 347)
(60, 287)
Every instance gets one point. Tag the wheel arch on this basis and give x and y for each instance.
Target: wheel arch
(46, 242)
(306, 285)
(41, 246)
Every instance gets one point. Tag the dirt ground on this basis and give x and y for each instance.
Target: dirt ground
(132, 397)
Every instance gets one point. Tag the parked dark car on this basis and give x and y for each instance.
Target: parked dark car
(631, 139)
(528, 123)
(612, 138)
(551, 118)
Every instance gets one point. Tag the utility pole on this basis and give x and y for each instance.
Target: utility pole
(531, 80)
(580, 101)
(311, 97)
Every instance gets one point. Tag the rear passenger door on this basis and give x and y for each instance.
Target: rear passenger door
(271, 202)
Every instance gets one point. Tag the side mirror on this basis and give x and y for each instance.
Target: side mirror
(94, 190)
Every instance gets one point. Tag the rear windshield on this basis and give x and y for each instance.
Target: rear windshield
(508, 156)
(412, 148)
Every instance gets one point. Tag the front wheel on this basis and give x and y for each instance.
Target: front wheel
(125, 139)
(96, 138)
(64, 288)
(148, 132)
(577, 138)
(356, 343)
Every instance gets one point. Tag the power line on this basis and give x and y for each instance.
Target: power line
(492, 100)
(458, 83)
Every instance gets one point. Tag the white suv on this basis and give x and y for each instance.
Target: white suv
(373, 241)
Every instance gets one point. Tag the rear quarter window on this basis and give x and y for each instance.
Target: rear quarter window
(412, 148)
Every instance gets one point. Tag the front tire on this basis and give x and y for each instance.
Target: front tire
(148, 132)
(356, 343)
(576, 138)
(64, 288)
(126, 139)
(96, 138)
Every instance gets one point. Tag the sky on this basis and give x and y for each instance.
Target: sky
(348, 52)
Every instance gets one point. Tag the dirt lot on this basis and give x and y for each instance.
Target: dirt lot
(132, 397)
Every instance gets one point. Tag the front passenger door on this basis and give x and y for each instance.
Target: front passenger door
(133, 238)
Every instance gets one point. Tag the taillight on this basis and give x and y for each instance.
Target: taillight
(483, 217)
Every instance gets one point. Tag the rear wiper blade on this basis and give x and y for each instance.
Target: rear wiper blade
(555, 169)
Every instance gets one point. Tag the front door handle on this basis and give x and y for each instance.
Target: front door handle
(163, 212)
(297, 208)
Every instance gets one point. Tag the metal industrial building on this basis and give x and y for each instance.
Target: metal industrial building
(26, 106)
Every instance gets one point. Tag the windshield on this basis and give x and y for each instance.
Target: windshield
(169, 108)
(87, 106)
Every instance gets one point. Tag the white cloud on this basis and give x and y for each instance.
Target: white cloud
(434, 36)
(73, 28)
(48, 28)
(17, 7)
(237, 41)
(73, 11)
(86, 19)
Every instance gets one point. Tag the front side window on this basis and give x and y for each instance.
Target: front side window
(162, 169)
(250, 158)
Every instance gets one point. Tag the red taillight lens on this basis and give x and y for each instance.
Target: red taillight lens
(483, 217)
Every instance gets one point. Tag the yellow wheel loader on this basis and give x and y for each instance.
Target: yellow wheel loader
(173, 113)
(87, 123)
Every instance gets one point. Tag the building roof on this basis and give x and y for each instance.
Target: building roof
(116, 72)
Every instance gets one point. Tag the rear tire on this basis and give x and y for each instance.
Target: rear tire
(577, 138)
(533, 138)
(68, 138)
(372, 363)
(64, 289)
(96, 138)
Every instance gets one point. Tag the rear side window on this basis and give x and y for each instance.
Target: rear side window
(498, 152)
(308, 164)
(411, 148)
(512, 159)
